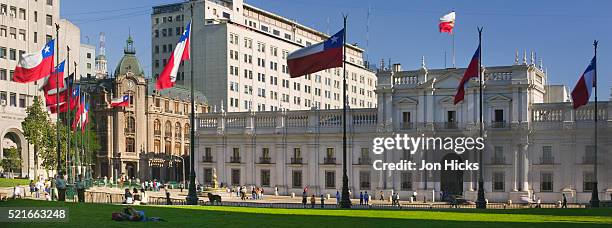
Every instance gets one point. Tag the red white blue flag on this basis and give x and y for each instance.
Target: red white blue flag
(470, 72)
(325, 55)
(167, 78)
(56, 80)
(123, 101)
(584, 86)
(34, 66)
(447, 23)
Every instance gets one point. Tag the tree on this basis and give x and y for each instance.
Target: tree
(12, 160)
(35, 128)
(49, 154)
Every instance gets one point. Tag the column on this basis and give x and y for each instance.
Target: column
(525, 167)
(515, 169)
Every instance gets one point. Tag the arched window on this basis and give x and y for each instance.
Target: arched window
(131, 125)
(168, 147)
(177, 148)
(157, 146)
(168, 129)
(157, 127)
(177, 128)
(187, 132)
(130, 145)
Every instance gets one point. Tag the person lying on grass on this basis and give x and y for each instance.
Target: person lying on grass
(131, 214)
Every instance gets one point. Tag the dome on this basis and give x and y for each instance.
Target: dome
(129, 62)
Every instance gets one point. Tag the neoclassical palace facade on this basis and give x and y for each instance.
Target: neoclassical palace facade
(535, 143)
(148, 139)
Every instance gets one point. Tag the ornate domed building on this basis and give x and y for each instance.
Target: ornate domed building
(148, 139)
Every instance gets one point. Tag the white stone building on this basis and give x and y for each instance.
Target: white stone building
(25, 26)
(240, 58)
(535, 142)
(87, 67)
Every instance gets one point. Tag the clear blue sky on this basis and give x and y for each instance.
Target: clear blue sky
(561, 32)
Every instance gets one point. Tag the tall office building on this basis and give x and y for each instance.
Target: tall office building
(25, 26)
(239, 56)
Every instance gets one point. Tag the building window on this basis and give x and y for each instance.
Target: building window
(547, 157)
(451, 119)
(589, 155)
(157, 127)
(546, 182)
(208, 176)
(22, 101)
(235, 176)
(49, 21)
(168, 129)
(498, 181)
(13, 98)
(131, 125)
(406, 181)
(130, 145)
(179, 132)
(406, 121)
(330, 179)
(168, 147)
(364, 159)
(296, 179)
(364, 179)
(157, 146)
(498, 155)
(588, 181)
(235, 155)
(265, 177)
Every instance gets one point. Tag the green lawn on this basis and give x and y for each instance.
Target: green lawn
(5, 182)
(86, 215)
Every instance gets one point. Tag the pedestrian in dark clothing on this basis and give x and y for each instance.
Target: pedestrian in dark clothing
(322, 201)
(360, 198)
(168, 201)
(564, 205)
(80, 186)
(61, 187)
(304, 196)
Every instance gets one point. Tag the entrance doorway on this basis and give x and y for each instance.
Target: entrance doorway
(451, 181)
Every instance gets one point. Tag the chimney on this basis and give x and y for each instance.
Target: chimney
(397, 67)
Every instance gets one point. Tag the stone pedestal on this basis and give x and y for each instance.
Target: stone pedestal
(519, 196)
(470, 195)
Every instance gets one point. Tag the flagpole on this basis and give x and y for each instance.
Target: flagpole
(453, 38)
(480, 202)
(192, 197)
(345, 202)
(595, 193)
(57, 103)
(68, 115)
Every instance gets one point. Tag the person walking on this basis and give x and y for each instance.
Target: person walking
(382, 196)
(32, 188)
(61, 187)
(366, 198)
(80, 186)
(312, 201)
(168, 200)
(564, 205)
(304, 196)
(338, 197)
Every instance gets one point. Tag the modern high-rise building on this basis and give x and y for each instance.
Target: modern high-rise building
(240, 58)
(25, 27)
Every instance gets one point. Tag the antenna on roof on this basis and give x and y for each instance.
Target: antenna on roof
(367, 32)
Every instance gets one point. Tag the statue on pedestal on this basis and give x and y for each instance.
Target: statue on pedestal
(215, 182)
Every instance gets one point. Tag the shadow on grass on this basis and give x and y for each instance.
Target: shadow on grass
(98, 216)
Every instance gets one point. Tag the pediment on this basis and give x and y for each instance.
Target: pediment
(406, 100)
(498, 98)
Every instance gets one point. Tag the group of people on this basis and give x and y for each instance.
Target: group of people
(135, 196)
(257, 193)
(55, 188)
(313, 200)
(364, 198)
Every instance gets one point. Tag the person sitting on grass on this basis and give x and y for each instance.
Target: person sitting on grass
(131, 214)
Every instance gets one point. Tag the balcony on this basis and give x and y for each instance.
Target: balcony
(498, 160)
(365, 161)
(329, 161)
(547, 160)
(265, 160)
(297, 160)
(451, 125)
(407, 126)
(235, 160)
(207, 159)
(588, 159)
(499, 125)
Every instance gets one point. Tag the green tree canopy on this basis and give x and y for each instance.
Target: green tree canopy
(12, 160)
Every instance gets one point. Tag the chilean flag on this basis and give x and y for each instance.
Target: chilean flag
(56, 80)
(167, 78)
(121, 101)
(34, 66)
(470, 72)
(79, 114)
(582, 90)
(84, 117)
(447, 22)
(325, 55)
(51, 99)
